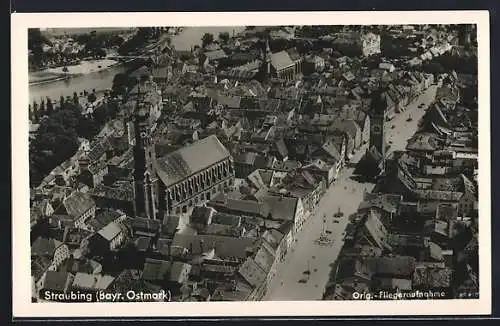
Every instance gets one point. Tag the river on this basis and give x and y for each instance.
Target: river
(54, 89)
(189, 37)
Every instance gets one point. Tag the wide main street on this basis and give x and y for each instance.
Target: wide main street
(346, 194)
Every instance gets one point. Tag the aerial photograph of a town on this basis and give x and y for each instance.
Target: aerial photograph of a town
(253, 163)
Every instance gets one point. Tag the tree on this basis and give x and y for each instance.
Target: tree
(434, 68)
(61, 101)
(42, 108)
(35, 38)
(50, 106)
(36, 116)
(92, 97)
(100, 53)
(120, 82)
(30, 113)
(207, 39)
(75, 98)
(224, 37)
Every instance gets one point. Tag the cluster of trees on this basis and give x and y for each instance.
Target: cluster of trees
(317, 31)
(94, 46)
(449, 62)
(466, 64)
(35, 44)
(224, 37)
(136, 42)
(57, 139)
(47, 106)
(207, 39)
(96, 43)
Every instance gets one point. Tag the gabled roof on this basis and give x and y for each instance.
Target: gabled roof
(201, 214)
(280, 208)
(232, 102)
(225, 247)
(44, 247)
(89, 281)
(39, 265)
(347, 125)
(215, 55)
(178, 270)
(281, 147)
(281, 60)
(191, 159)
(252, 272)
(110, 231)
(376, 229)
(396, 266)
(99, 149)
(353, 267)
(332, 150)
(56, 281)
(265, 257)
(293, 53)
(156, 270)
(432, 277)
(78, 203)
(273, 237)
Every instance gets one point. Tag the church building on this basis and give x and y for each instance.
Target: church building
(178, 181)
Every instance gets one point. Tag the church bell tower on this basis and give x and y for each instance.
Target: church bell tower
(265, 67)
(377, 119)
(145, 181)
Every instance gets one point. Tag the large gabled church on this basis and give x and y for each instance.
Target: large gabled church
(176, 182)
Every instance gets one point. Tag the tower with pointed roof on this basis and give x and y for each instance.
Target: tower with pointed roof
(268, 57)
(265, 68)
(377, 119)
(145, 182)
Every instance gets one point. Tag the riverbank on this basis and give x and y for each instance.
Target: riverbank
(83, 68)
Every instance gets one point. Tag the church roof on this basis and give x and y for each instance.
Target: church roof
(281, 60)
(184, 162)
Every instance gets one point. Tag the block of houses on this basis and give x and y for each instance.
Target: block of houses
(47, 254)
(75, 210)
(393, 273)
(109, 238)
(370, 231)
(303, 185)
(247, 162)
(166, 273)
(55, 283)
(434, 279)
(283, 208)
(329, 171)
(90, 283)
(350, 127)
